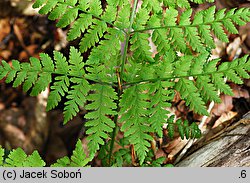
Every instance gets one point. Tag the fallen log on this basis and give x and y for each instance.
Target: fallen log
(230, 149)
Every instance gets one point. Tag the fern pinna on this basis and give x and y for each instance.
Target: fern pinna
(131, 85)
(18, 158)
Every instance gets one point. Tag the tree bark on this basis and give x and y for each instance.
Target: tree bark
(230, 149)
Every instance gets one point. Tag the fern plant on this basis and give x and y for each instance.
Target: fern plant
(123, 84)
(18, 158)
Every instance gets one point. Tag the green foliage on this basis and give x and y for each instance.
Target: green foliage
(122, 157)
(1, 155)
(101, 108)
(38, 75)
(151, 162)
(183, 127)
(183, 3)
(18, 158)
(124, 85)
(78, 158)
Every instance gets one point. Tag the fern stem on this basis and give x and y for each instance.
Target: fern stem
(168, 78)
(180, 26)
(124, 58)
(169, 27)
(113, 139)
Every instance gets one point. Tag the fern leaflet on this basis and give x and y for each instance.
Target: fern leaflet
(136, 126)
(18, 158)
(78, 158)
(99, 123)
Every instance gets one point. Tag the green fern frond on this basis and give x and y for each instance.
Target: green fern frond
(207, 90)
(1, 155)
(34, 75)
(62, 162)
(183, 65)
(235, 70)
(198, 62)
(175, 33)
(79, 26)
(78, 91)
(183, 3)
(37, 75)
(18, 158)
(183, 127)
(141, 48)
(95, 32)
(152, 5)
(48, 7)
(99, 123)
(85, 15)
(139, 54)
(134, 115)
(232, 70)
(189, 93)
(140, 41)
(65, 10)
(208, 79)
(61, 84)
(162, 95)
(150, 161)
(113, 49)
(180, 3)
(78, 158)
(34, 160)
(188, 131)
(122, 157)
(101, 74)
(44, 78)
(170, 126)
(123, 16)
(159, 36)
(197, 32)
(68, 17)
(219, 83)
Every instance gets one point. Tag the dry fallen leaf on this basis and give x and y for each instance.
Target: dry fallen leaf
(234, 48)
(239, 91)
(174, 147)
(224, 106)
(4, 28)
(224, 117)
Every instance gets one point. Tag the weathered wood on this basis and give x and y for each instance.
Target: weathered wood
(230, 149)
